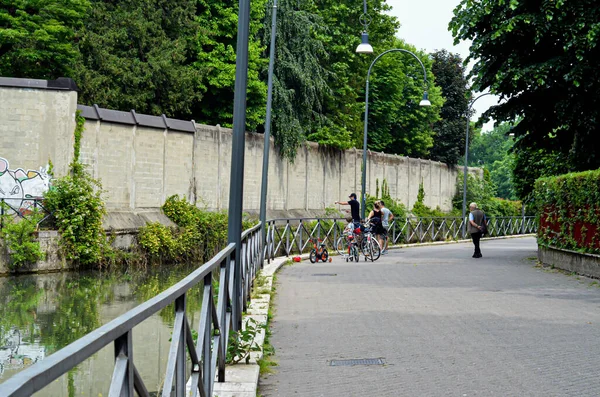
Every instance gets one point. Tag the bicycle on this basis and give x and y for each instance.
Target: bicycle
(319, 251)
(369, 245)
(347, 247)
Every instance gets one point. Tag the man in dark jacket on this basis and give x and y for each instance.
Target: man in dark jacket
(476, 220)
(354, 207)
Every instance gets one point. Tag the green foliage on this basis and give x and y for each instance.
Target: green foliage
(569, 211)
(300, 76)
(493, 150)
(199, 234)
(395, 206)
(136, 54)
(397, 124)
(78, 208)
(541, 57)
(216, 55)
(20, 240)
(243, 342)
(532, 163)
(482, 192)
(76, 203)
(421, 210)
(343, 104)
(449, 142)
(37, 38)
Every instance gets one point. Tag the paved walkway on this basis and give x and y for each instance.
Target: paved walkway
(445, 324)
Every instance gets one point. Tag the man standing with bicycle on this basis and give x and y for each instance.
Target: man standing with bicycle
(354, 208)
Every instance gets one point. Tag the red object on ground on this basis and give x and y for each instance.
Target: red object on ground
(296, 259)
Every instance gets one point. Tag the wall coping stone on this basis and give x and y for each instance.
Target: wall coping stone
(60, 84)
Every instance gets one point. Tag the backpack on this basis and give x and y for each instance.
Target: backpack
(484, 226)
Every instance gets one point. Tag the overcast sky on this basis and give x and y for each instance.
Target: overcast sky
(424, 24)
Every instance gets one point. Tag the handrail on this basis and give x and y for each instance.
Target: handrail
(291, 236)
(37, 376)
(207, 354)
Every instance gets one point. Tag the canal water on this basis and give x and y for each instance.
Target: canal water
(40, 314)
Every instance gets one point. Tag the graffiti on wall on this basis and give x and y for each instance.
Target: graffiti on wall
(19, 188)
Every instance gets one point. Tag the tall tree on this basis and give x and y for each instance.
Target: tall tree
(450, 76)
(216, 43)
(493, 150)
(343, 106)
(37, 37)
(397, 124)
(300, 80)
(137, 54)
(540, 56)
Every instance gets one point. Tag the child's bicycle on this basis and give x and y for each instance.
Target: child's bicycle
(347, 247)
(319, 251)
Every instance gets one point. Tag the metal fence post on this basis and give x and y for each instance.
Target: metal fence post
(300, 228)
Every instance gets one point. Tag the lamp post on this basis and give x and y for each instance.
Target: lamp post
(267, 144)
(236, 187)
(464, 204)
(424, 102)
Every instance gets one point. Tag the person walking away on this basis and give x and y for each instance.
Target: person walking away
(386, 217)
(354, 208)
(476, 219)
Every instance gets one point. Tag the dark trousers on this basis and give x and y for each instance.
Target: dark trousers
(476, 237)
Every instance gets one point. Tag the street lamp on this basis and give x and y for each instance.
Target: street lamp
(267, 144)
(464, 204)
(424, 102)
(236, 187)
(364, 47)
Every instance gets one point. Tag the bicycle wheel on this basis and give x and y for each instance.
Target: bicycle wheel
(375, 249)
(356, 253)
(365, 246)
(341, 246)
(325, 255)
(313, 256)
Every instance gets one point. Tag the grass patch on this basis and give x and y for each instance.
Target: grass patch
(266, 362)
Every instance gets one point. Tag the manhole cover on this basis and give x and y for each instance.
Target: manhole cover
(357, 361)
(325, 274)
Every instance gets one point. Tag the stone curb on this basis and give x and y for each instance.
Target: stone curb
(242, 379)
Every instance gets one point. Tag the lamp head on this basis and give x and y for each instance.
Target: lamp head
(364, 47)
(425, 100)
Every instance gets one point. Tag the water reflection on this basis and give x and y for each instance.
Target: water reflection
(40, 314)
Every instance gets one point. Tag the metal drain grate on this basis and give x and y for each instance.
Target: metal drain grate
(325, 274)
(357, 361)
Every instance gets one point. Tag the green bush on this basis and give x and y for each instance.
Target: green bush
(199, 235)
(76, 203)
(569, 211)
(21, 241)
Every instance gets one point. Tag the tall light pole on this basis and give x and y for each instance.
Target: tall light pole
(236, 186)
(267, 144)
(424, 102)
(464, 204)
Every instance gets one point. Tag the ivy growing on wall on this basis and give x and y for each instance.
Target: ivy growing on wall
(568, 207)
(76, 203)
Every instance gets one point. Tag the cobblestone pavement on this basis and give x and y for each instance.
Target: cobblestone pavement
(445, 324)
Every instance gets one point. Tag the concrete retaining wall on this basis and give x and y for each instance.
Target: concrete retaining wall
(49, 245)
(580, 263)
(141, 160)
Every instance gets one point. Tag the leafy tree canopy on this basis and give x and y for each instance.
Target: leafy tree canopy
(37, 37)
(450, 76)
(216, 44)
(136, 54)
(397, 124)
(540, 57)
